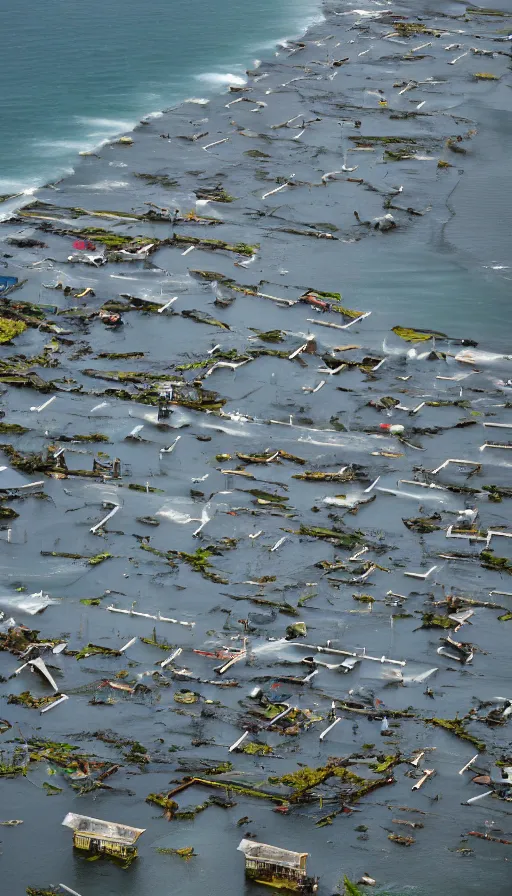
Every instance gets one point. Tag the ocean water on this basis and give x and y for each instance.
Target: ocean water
(75, 74)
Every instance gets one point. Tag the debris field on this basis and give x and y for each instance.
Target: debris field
(256, 533)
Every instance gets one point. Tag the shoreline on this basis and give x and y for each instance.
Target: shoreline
(265, 49)
(266, 420)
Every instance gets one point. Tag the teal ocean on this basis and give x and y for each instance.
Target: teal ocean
(77, 73)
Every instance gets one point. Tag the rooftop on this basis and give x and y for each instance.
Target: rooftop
(111, 829)
(266, 853)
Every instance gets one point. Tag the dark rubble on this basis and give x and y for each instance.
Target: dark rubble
(267, 609)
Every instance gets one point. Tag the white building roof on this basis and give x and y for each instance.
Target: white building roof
(263, 852)
(110, 829)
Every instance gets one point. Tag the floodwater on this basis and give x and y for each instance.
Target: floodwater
(444, 270)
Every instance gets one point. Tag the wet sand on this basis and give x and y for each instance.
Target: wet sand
(300, 531)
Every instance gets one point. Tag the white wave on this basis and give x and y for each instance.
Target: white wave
(8, 186)
(363, 13)
(64, 147)
(103, 185)
(111, 125)
(219, 79)
(198, 100)
(300, 29)
(152, 115)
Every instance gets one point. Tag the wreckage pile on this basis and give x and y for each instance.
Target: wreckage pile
(268, 534)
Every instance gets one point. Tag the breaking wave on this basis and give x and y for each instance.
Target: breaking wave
(217, 79)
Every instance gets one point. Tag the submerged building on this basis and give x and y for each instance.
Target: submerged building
(276, 867)
(108, 837)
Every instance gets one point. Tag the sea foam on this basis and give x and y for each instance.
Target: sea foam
(219, 79)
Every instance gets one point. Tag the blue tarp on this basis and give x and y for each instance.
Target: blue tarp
(7, 283)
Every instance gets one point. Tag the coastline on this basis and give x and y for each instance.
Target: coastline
(110, 123)
(260, 495)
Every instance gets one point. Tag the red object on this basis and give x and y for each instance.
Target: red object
(316, 303)
(84, 244)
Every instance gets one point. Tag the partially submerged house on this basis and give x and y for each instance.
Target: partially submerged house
(277, 867)
(97, 836)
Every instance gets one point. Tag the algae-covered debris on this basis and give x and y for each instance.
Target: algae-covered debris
(412, 335)
(384, 763)
(13, 429)
(282, 606)
(456, 726)
(37, 891)
(296, 630)
(200, 562)
(154, 642)
(345, 475)
(215, 194)
(408, 29)
(185, 852)
(93, 650)
(335, 536)
(229, 355)
(90, 437)
(95, 560)
(205, 766)
(15, 763)
(120, 356)
(201, 243)
(350, 888)
(401, 839)
(165, 802)
(268, 457)
(9, 329)
(364, 598)
(485, 76)
(111, 241)
(51, 789)
(497, 492)
(431, 620)
(185, 696)
(136, 487)
(27, 699)
(255, 749)
(137, 753)
(353, 787)
(384, 403)
(328, 301)
(201, 317)
(423, 524)
(127, 376)
(490, 561)
(266, 497)
(19, 638)
(158, 180)
(7, 513)
(269, 335)
(400, 155)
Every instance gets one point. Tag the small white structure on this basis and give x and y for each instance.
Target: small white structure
(277, 867)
